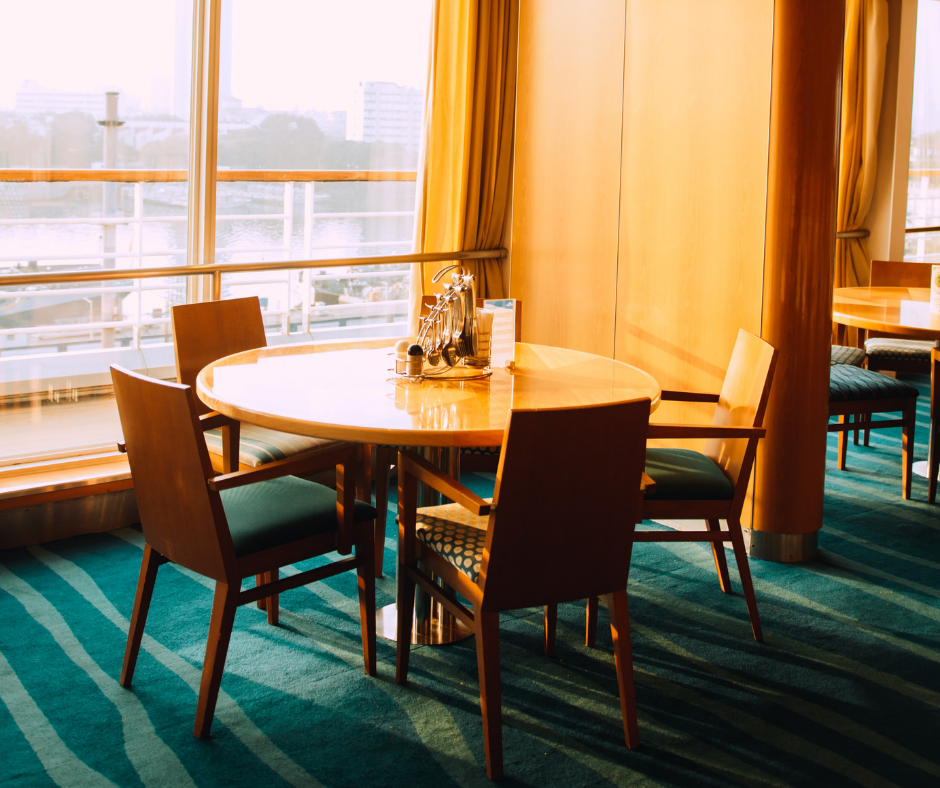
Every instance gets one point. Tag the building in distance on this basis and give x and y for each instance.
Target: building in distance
(386, 112)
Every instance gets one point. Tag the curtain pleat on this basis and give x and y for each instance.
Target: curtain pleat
(866, 40)
(464, 176)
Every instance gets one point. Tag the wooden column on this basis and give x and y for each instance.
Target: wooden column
(798, 259)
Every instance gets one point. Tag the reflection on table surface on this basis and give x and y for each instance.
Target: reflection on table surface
(887, 309)
(355, 395)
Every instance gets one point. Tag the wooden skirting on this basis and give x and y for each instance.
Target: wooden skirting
(48, 516)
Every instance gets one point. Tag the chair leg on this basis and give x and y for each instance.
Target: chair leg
(364, 475)
(406, 614)
(590, 623)
(858, 423)
(490, 692)
(744, 570)
(551, 625)
(273, 602)
(148, 575)
(843, 444)
(867, 429)
(263, 602)
(366, 581)
(718, 553)
(224, 605)
(383, 463)
(623, 661)
(907, 447)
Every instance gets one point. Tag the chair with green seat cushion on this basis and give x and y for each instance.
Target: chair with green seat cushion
(711, 485)
(843, 354)
(233, 526)
(685, 475)
(859, 393)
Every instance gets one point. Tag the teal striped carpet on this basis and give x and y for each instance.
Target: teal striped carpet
(846, 690)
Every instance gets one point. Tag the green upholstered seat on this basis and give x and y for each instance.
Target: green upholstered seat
(456, 534)
(686, 475)
(259, 445)
(851, 384)
(891, 349)
(272, 513)
(842, 354)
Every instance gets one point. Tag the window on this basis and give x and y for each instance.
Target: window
(319, 120)
(923, 190)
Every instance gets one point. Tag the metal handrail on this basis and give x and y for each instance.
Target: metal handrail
(15, 175)
(216, 270)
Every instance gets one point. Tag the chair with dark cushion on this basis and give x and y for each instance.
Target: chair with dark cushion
(894, 353)
(233, 526)
(858, 393)
(710, 485)
(531, 545)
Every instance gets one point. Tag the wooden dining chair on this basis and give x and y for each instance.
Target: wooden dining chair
(532, 545)
(893, 353)
(232, 526)
(482, 458)
(710, 485)
(207, 331)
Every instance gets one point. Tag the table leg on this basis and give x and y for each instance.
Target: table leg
(433, 625)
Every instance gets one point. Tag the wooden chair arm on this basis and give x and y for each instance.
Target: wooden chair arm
(423, 471)
(676, 431)
(214, 419)
(286, 467)
(687, 396)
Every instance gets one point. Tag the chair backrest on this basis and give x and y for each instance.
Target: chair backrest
(428, 301)
(742, 403)
(567, 493)
(206, 332)
(181, 517)
(890, 273)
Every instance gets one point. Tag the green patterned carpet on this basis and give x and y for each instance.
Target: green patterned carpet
(846, 690)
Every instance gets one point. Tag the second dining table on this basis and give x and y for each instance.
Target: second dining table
(355, 395)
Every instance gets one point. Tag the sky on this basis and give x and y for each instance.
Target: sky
(287, 54)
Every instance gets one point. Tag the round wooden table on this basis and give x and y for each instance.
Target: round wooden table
(904, 311)
(355, 395)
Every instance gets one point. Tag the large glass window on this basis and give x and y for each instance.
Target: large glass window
(333, 94)
(923, 190)
(93, 154)
(319, 122)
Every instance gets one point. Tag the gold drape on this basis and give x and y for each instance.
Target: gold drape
(464, 174)
(866, 40)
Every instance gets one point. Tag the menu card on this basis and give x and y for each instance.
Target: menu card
(503, 340)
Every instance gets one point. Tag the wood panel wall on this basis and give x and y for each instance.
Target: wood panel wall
(693, 186)
(566, 179)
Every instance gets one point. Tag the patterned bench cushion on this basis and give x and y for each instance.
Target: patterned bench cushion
(456, 534)
(258, 445)
(841, 354)
(686, 475)
(482, 451)
(851, 384)
(891, 349)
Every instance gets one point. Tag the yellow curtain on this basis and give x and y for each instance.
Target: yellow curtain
(863, 69)
(464, 174)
